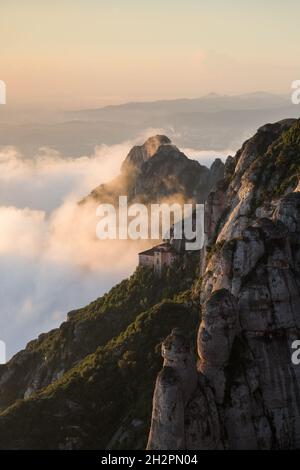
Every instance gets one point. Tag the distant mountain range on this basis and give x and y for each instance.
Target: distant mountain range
(212, 102)
(213, 122)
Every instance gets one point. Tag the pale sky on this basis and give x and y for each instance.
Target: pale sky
(86, 53)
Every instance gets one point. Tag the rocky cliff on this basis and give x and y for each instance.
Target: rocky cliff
(248, 390)
(156, 171)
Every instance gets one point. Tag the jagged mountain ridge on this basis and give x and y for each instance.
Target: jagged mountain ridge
(157, 171)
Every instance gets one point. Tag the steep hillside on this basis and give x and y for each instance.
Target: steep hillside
(105, 398)
(46, 359)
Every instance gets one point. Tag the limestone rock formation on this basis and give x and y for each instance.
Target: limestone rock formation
(158, 170)
(184, 413)
(174, 387)
(250, 297)
(142, 153)
(217, 332)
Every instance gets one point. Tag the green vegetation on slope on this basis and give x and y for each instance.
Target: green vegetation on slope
(110, 389)
(105, 398)
(278, 168)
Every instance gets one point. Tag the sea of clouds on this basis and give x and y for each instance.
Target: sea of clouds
(50, 259)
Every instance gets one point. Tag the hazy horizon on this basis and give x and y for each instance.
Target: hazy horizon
(40, 109)
(83, 54)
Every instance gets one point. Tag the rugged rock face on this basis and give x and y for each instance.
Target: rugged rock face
(250, 297)
(217, 332)
(142, 153)
(184, 413)
(174, 387)
(157, 170)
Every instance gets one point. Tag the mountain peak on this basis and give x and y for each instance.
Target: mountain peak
(153, 143)
(141, 153)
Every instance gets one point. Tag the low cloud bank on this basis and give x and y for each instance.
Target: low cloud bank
(50, 259)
